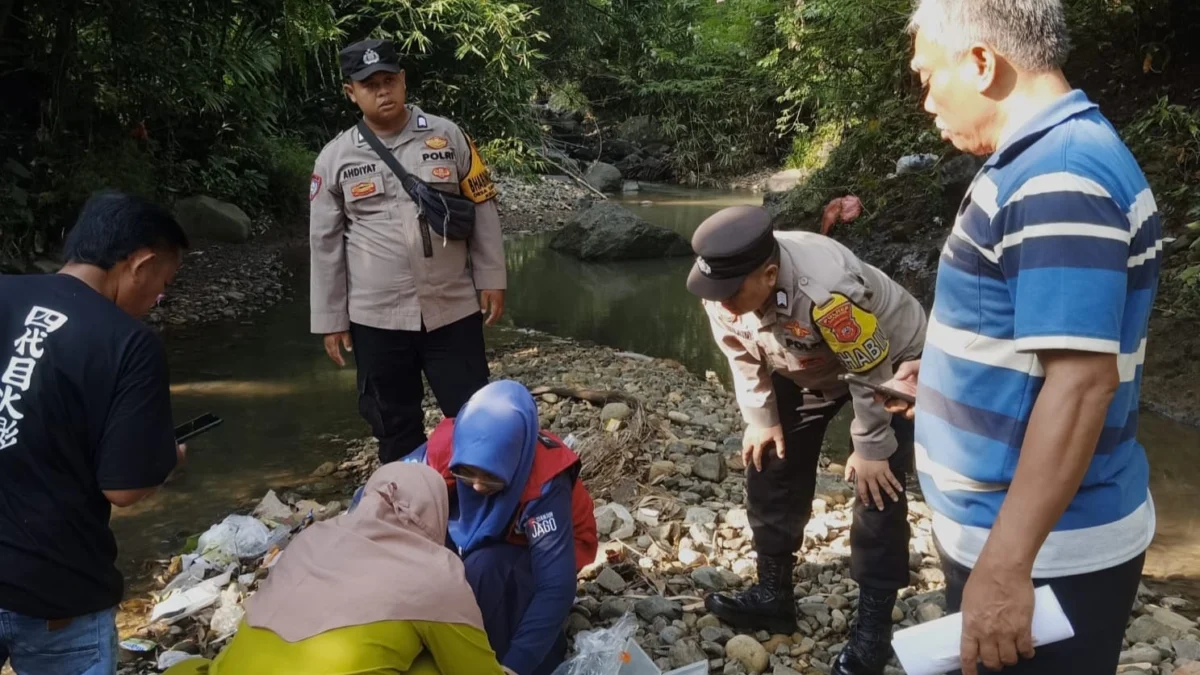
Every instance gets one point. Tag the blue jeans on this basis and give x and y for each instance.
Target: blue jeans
(85, 646)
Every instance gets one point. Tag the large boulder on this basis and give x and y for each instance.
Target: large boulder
(207, 218)
(608, 231)
(604, 177)
(641, 130)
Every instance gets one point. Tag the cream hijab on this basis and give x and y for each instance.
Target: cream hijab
(384, 561)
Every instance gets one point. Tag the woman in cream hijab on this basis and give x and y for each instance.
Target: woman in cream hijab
(371, 592)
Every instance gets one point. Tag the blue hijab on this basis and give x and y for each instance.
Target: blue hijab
(495, 431)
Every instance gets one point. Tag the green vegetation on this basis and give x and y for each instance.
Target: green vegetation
(234, 98)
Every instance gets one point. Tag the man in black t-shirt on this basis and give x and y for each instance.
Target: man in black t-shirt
(85, 423)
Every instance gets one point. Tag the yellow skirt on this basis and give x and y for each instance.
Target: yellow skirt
(382, 648)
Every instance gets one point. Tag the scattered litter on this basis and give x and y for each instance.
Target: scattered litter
(915, 163)
(171, 658)
(237, 537)
(138, 645)
(182, 604)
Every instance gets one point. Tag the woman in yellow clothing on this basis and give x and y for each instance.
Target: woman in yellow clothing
(371, 592)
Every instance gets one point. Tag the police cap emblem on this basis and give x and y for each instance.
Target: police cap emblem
(370, 57)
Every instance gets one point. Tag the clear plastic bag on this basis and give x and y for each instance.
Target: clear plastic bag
(601, 651)
(235, 537)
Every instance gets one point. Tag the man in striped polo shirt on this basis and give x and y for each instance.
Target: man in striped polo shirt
(1027, 401)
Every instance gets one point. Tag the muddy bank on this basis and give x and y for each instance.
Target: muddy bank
(660, 453)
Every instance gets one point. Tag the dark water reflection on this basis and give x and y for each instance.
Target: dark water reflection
(280, 396)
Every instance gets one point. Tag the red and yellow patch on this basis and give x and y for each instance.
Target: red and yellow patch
(796, 329)
(365, 189)
(852, 333)
(441, 172)
(436, 142)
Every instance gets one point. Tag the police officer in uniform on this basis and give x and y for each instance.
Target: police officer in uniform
(384, 284)
(792, 311)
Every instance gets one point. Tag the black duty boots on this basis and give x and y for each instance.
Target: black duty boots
(870, 646)
(769, 605)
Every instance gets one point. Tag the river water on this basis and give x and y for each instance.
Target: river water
(281, 398)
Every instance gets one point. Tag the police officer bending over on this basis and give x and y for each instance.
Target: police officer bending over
(389, 276)
(792, 311)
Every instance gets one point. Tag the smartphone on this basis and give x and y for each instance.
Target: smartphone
(879, 388)
(196, 427)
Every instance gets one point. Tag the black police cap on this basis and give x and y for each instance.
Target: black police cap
(729, 245)
(367, 57)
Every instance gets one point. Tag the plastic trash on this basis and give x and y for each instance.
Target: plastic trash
(139, 646)
(236, 537)
(613, 651)
(229, 613)
(914, 163)
(602, 651)
(171, 658)
(182, 604)
(191, 576)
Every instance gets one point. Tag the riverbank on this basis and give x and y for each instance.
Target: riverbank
(663, 465)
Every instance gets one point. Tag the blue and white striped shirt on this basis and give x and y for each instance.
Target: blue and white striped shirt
(1057, 246)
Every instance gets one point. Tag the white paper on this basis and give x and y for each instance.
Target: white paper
(933, 648)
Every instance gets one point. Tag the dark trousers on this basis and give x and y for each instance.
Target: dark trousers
(780, 496)
(390, 390)
(501, 576)
(1097, 604)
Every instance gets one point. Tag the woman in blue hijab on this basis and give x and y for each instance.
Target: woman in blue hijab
(518, 497)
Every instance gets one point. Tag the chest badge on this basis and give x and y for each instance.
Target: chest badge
(796, 329)
(436, 142)
(364, 189)
(441, 172)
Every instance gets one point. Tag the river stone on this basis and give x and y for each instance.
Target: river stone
(929, 611)
(604, 177)
(710, 467)
(608, 231)
(837, 602)
(748, 652)
(737, 518)
(1140, 654)
(324, 470)
(708, 621)
(685, 653)
(648, 609)
(577, 623)
(1172, 619)
(670, 635)
(678, 417)
(709, 578)
(615, 411)
(717, 634)
(203, 217)
(271, 508)
(615, 608)
(1188, 668)
(661, 469)
(781, 669)
(1187, 650)
(700, 516)
(610, 581)
(1149, 629)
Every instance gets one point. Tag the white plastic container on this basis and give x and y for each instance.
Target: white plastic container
(639, 663)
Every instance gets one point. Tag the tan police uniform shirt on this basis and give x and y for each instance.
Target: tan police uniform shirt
(832, 314)
(368, 261)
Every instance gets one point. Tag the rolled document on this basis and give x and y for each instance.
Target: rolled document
(933, 648)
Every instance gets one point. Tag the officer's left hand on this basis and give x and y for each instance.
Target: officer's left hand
(492, 304)
(872, 478)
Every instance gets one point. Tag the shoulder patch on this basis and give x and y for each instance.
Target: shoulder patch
(314, 187)
(477, 185)
(852, 333)
(540, 526)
